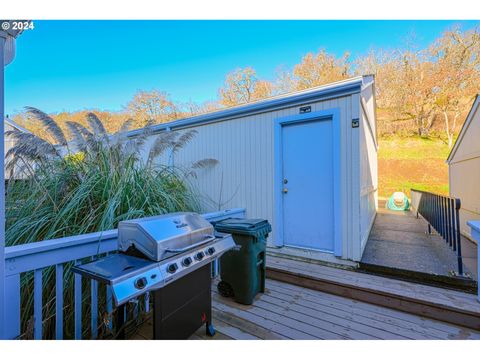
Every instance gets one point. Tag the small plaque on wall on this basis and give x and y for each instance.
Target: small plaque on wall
(305, 109)
(355, 123)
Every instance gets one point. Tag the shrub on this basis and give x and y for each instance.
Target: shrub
(88, 183)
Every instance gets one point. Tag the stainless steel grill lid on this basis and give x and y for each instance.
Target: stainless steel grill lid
(160, 237)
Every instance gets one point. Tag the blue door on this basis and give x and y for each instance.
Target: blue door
(308, 189)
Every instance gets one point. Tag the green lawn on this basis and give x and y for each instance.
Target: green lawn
(405, 163)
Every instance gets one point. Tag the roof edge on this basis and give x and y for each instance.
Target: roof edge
(15, 125)
(338, 89)
(466, 124)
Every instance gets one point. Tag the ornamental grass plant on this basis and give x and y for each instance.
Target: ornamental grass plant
(85, 181)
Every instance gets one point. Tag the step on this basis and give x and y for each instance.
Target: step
(433, 302)
(459, 283)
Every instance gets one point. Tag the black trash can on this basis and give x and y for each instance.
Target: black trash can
(242, 269)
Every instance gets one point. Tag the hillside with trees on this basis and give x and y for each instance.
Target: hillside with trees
(423, 96)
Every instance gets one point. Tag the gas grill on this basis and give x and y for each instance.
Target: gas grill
(169, 256)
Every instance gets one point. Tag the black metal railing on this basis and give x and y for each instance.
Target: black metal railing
(441, 213)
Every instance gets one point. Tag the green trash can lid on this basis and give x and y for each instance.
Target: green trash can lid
(243, 226)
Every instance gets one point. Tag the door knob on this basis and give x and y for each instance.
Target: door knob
(285, 190)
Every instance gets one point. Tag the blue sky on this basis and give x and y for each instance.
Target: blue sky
(73, 65)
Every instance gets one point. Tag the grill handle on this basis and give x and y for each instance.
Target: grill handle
(208, 238)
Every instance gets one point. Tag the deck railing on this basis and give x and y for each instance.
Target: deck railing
(443, 214)
(39, 256)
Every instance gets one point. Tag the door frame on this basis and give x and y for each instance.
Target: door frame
(329, 114)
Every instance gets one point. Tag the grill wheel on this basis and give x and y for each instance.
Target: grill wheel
(225, 289)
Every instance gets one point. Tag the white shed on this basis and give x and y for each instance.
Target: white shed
(464, 168)
(306, 161)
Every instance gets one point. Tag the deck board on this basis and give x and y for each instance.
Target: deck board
(263, 321)
(441, 296)
(232, 331)
(384, 314)
(396, 322)
(247, 326)
(330, 324)
(287, 311)
(354, 327)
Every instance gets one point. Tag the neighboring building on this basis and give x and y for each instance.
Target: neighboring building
(9, 142)
(306, 161)
(464, 168)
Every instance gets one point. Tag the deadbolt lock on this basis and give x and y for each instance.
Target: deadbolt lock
(285, 181)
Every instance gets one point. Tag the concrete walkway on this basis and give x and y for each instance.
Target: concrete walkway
(398, 241)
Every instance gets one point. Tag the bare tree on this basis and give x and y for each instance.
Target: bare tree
(404, 83)
(151, 106)
(457, 60)
(242, 86)
(321, 68)
(284, 81)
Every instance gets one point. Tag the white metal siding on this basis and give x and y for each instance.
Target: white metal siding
(245, 175)
(465, 180)
(464, 173)
(368, 165)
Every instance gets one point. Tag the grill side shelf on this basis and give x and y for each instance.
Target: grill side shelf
(114, 268)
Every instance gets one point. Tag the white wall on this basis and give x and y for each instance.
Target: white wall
(245, 146)
(368, 164)
(245, 149)
(464, 172)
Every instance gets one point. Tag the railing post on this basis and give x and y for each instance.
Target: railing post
(109, 307)
(445, 218)
(59, 301)
(78, 306)
(458, 236)
(94, 308)
(12, 306)
(37, 304)
(443, 214)
(452, 222)
(449, 225)
(444, 222)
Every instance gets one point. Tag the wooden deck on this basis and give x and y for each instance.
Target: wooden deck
(288, 311)
(438, 303)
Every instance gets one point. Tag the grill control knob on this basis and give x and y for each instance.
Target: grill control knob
(140, 283)
(211, 251)
(187, 261)
(199, 256)
(172, 268)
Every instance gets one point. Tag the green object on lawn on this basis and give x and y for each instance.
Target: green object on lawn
(398, 202)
